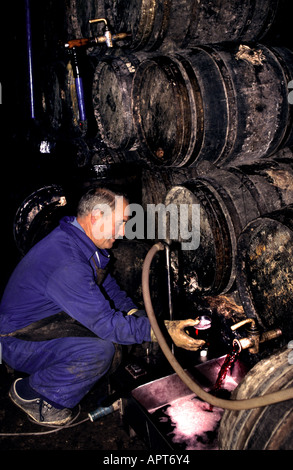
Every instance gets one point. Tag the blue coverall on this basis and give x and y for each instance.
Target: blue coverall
(59, 275)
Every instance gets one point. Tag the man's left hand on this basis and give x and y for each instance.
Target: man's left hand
(176, 329)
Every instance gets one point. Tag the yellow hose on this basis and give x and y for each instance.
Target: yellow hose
(265, 400)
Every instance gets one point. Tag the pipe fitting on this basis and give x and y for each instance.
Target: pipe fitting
(253, 339)
(251, 342)
(241, 323)
(253, 336)
(108, 34)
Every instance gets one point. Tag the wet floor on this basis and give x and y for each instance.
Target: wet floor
(108, 433)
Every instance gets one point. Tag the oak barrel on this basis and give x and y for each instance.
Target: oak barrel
(157, 181)
(127, 257)
(77, 14)
(265, 428)
(112, 99)
(59, 101)
(264, 270)
(37, 215)
(228, 201)
(153, 23)
(210, 102)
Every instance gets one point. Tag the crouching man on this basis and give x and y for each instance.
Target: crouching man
(62, 313)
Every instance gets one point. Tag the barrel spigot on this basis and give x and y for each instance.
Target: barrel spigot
(108, 37)
(253, 338)
(108, 34)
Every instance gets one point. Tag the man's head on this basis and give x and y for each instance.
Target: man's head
(103, 214)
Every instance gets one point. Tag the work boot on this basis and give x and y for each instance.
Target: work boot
(39, 410)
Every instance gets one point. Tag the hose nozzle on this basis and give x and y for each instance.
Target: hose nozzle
(104, 410)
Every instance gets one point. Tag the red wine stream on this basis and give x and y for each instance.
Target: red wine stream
(227, 364)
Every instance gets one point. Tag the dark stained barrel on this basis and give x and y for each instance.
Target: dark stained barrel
(264, 270)
(119, 170)
(266, 428)
(184, 22)
(209, 103)
(51, 98)
(59, 101)
(77, 15)
(228, 201)
(126, 266)
(156, 182)
(112, 100)
(37, 215)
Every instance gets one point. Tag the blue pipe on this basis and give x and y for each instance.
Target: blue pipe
(104, 411)
(80, 98)
(78, 86)
(30, 57)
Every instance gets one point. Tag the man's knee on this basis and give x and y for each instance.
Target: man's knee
(95, 351)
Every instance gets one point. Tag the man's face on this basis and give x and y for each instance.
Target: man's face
(108, 225)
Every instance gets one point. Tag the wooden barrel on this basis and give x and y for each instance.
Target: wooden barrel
(37, 215)
(184, 22)
(156, 182)
(77, 15)
(228, 201)
(112, 100)
(116, 169)
(266, 428)
(209, 103)
(61, 109)
(59, 101)
(264, 270)
(127, 257)
(51, 98)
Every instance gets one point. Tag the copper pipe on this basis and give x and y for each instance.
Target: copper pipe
(241, 323)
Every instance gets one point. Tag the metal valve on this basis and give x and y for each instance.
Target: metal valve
(254, 338)
(108, 37)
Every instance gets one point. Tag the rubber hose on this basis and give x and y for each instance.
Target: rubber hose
(245, 404)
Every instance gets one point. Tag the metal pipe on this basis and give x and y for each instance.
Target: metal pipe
(97, 20)
(108, 35)
(78, 86)
(170, 304)
(30, 57)
(252, 341)
(241, 323)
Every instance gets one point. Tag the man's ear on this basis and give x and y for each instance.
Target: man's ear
(96, 215)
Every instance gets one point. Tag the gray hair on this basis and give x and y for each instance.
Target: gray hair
(95, 197)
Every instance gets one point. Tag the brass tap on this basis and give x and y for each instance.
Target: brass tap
(108, 35)
(241, 323)
(254, 338)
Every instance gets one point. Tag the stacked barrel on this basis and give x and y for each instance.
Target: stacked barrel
(193, 100)
(195, 90)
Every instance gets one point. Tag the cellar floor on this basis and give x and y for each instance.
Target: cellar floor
(107, 433)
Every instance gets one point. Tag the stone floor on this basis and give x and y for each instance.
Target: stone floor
(107, 433)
